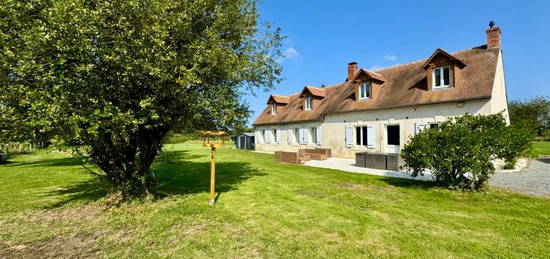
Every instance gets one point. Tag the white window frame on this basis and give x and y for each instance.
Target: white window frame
(273, 108)
(365, 91)
(297, 136)
(371, 139)
(442, 78)
(313, 131)
(308, 103)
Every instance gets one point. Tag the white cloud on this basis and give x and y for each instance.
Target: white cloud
(290, 53)
(391, 57)
(374, 68)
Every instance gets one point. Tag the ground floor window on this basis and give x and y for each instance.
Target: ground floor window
(393, 135)
(276, 136)
(434, 125)
(365, 136)
(297, 135)
(361, 134)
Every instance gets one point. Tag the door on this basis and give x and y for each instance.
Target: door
(393, 140)
(242, 142)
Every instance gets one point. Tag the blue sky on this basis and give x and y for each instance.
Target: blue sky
(323, 36)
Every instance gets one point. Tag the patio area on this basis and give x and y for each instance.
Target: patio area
(348, 165)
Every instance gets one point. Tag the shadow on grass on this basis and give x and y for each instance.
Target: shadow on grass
(408, 183)
(67, 161)
(176, 175)
(87, 191)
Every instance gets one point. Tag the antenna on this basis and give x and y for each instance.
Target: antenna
(491, 24)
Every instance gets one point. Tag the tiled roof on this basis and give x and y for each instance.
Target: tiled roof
(319, 92)
(278, 99)
(403, 85)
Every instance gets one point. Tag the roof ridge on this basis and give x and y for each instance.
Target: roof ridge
(420, 60)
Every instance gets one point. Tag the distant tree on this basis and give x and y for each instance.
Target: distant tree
(112, 78)
(533, 113)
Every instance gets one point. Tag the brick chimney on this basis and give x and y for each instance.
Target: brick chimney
(493, 36)
(352, 70)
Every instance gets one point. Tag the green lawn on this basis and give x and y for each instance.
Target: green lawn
(49, 207)
(541, 148)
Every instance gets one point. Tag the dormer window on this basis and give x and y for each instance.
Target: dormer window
(441, 77)
(364, 91)
(273, 108)
(308, 103)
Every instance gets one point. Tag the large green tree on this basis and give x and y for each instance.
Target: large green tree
(533, 113)
(114, 77)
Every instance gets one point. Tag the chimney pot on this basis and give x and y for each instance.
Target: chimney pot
(493, 36)
(352, 70)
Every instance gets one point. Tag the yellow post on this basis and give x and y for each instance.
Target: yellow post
(212, 175)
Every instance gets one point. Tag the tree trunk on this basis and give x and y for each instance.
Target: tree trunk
(127, 161)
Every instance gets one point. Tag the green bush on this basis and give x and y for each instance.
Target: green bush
(459, 153)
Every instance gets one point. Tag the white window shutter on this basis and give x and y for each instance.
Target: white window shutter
(349, 136)
(257, 137)
(306, 136)
(419, 127)
(278, 137)
(268, 136)
(318, 140)
(289, 136)
(371, 136)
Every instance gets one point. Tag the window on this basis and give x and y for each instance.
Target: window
(297, 135)
(303, 136)
(441, 77)
(273, 108)
(393, 135)
(364, 91)
(313, 131)
(308, 103)
(364, 136)
(276, 136)
(266, 139)
(316, 135)
(434, 125)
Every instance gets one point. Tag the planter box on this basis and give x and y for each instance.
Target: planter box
(3, 158)
(380, 161)
(394, 162)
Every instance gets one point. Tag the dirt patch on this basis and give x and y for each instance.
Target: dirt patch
(66, 233)
(72, 246)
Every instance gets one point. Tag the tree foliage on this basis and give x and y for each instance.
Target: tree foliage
(460, 152)
(114, 77)
(533, 113)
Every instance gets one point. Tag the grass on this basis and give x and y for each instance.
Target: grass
(541, 148)
(49, 207)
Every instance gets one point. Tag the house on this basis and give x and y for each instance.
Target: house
(378, 111)
(245, 140)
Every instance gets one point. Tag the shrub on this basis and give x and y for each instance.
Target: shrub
(515, 142)
(459, 153)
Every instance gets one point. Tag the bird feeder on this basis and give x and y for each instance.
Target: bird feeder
(213, 140)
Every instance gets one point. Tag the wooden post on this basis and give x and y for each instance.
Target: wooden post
(212, 175)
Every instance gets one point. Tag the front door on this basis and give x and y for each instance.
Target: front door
(393, 140)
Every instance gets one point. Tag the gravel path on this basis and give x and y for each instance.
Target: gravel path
(533, 180)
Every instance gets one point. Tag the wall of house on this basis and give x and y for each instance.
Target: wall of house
(499, 99)
(284, 144)
(334, 126)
